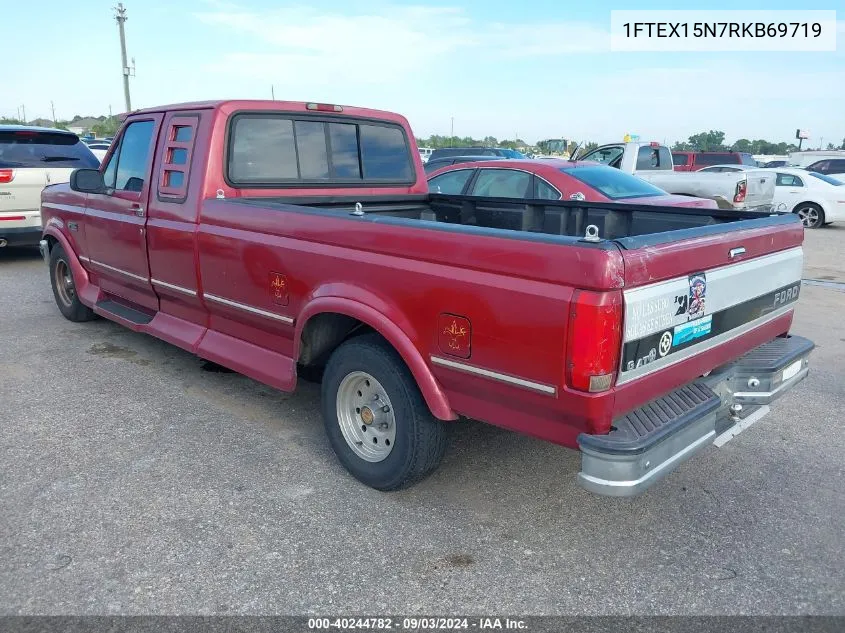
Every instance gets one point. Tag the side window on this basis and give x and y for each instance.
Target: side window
(648, 158)
(837, 166)
(452, 182)
(544, 191)
(679, 159)
(133, 162)
(110, 173)
(502, 183)
(178, 150)
(788, 180)
(605, 155)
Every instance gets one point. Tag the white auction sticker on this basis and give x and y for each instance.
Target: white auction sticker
(715, 31)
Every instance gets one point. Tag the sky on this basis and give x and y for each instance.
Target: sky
(537, 69)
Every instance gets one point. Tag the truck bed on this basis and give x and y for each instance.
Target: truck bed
(540, 218)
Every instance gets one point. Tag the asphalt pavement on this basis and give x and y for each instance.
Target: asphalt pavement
(135, 479)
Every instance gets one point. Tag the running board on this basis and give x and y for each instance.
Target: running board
(122, 313)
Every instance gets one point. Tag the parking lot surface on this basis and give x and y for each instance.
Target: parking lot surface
(135, 479)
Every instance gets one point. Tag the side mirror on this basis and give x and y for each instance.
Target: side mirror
(87, 181)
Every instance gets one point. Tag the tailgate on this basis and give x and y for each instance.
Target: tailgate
(710, 291)
(760, 189)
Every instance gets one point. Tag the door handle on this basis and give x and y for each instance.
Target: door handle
(138, 209)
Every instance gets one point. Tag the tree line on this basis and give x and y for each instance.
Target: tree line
(714, 141)
(105, 125)
(711, 141)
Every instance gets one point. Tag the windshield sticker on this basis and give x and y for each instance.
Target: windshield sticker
(697, 296)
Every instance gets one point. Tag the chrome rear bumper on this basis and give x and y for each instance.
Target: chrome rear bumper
(650, 442)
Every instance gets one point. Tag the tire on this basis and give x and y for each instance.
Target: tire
(64, 288)
(363, 371)
(811, 215)
(310, 373)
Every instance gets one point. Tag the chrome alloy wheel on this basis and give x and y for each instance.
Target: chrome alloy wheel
(365, 416)
(809, 216)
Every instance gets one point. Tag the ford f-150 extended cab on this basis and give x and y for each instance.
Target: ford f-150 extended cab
(276, 238)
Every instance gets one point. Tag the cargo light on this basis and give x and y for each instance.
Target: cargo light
(654, 144)
(595, 338)
(324, 107)
(6, 175)
(741, 188)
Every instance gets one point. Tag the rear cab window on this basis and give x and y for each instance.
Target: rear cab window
(44, 149)
(273, 150)
(680, 159)
(612, 183)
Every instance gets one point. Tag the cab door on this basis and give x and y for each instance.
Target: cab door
(116, 220)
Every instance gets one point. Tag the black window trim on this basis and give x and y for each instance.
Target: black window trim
(300, 183)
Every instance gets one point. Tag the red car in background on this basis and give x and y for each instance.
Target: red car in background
(554, 179)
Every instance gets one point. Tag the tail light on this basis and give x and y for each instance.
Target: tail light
(6, 175)
(595, 338)
(741, 188)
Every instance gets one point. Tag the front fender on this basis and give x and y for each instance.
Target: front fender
(88, 293)
(436, 400)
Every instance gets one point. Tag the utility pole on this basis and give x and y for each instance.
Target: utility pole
(452, 133)
(53, 108)
(272, 92)
(120, 17)
(23, 110)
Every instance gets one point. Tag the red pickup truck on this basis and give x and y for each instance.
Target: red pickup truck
(277, 238)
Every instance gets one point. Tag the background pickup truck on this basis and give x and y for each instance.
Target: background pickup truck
(752, 191)
(277, 238)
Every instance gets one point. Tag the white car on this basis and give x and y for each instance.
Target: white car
(99, 148)
(818, 199)
(30, 159)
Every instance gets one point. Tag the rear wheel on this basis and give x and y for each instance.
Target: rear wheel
(64, 287)
(812, 215)
(376, 419)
